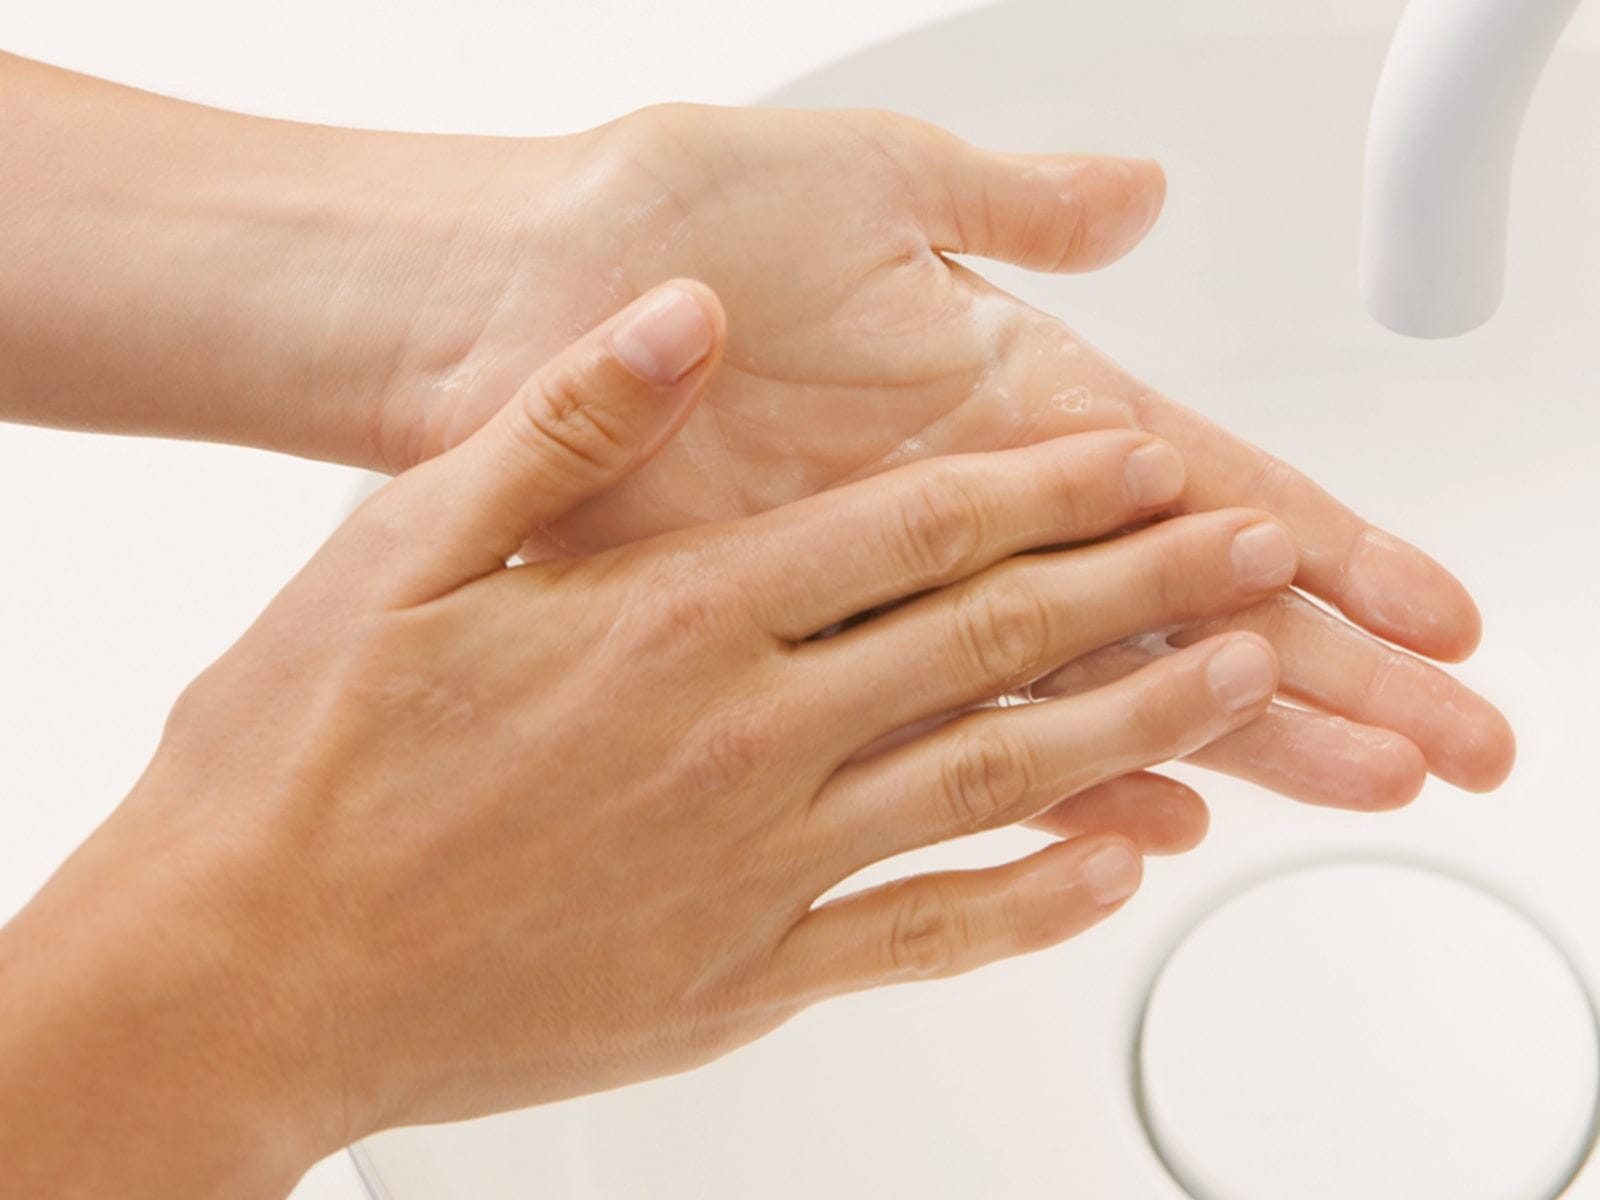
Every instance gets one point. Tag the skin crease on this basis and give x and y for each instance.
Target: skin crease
(258, 957)
(398, 287)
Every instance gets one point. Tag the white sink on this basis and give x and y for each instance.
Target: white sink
(1019, 1081)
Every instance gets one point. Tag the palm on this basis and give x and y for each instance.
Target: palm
(853, 343)
(825, 382)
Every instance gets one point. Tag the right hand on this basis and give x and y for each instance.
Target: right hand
(459, 836)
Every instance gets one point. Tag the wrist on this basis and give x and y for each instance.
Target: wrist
(185, 271)
(152, 1044)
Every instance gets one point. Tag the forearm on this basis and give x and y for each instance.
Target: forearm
(139, 1047)
(179, 270)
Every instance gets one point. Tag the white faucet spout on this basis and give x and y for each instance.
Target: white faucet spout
(1440, 147)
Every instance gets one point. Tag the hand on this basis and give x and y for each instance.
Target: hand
(396, 288)
(859, 345)
(439, 836)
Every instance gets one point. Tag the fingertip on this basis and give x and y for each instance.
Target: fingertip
(1120, 200)
(1156, 180)
(1161, 815)
(1484, 759)
(1449, 629)
(661, 337)
(1242, 672)
(1264, 555)
(1397, 773)
(1259, 642)
(711, 304)
(1169, 818)
(1058, 213)
(1155, 474)
(1066, 889)
(1404, 780)
(1180, 818)
(1111, 868)
(1151, 182)
(1458, 636)
(1401, 594)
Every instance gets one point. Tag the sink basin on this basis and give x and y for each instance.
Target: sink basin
(1021, 1081)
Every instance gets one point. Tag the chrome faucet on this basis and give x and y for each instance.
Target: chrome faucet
(1443, 134)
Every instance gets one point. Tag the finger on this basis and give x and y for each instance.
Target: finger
(1320, 760)
(581, 423)
(1158, 814)
(1047, 212)
(930, 926)
(1374, 578)
(1161, 815)
(1340, 670)
(922, 526)
(1016, 621)
(1306, 756)
(1000, 766)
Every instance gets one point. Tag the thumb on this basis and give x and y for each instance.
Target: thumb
(1047, 212)
(581, 423)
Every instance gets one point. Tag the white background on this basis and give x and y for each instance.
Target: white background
(129, 565)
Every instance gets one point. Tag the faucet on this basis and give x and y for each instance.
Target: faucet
(1443, 134)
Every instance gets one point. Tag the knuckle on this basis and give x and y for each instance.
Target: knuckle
(1174, 590)
(928, 936)
(677, 608)
(1271, 482)
(902, 143)
(638, 133)
(888, 120)
(1005, 633)
(941, 527)
(733, 746)
(1274, 618)
(625, 164)
(560, 420)
(192, 710)
(667, 112)
(983, 781)
(1170, 573)
(1078, 506)
(683, 618)
(736, 749)
(392, 667)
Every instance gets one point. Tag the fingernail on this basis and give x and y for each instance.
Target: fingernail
(1240, 674)
(662, 337)
(1154, 474)
(1263, 557)
(1112, 874)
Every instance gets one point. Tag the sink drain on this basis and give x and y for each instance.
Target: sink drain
(1371, 1030)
